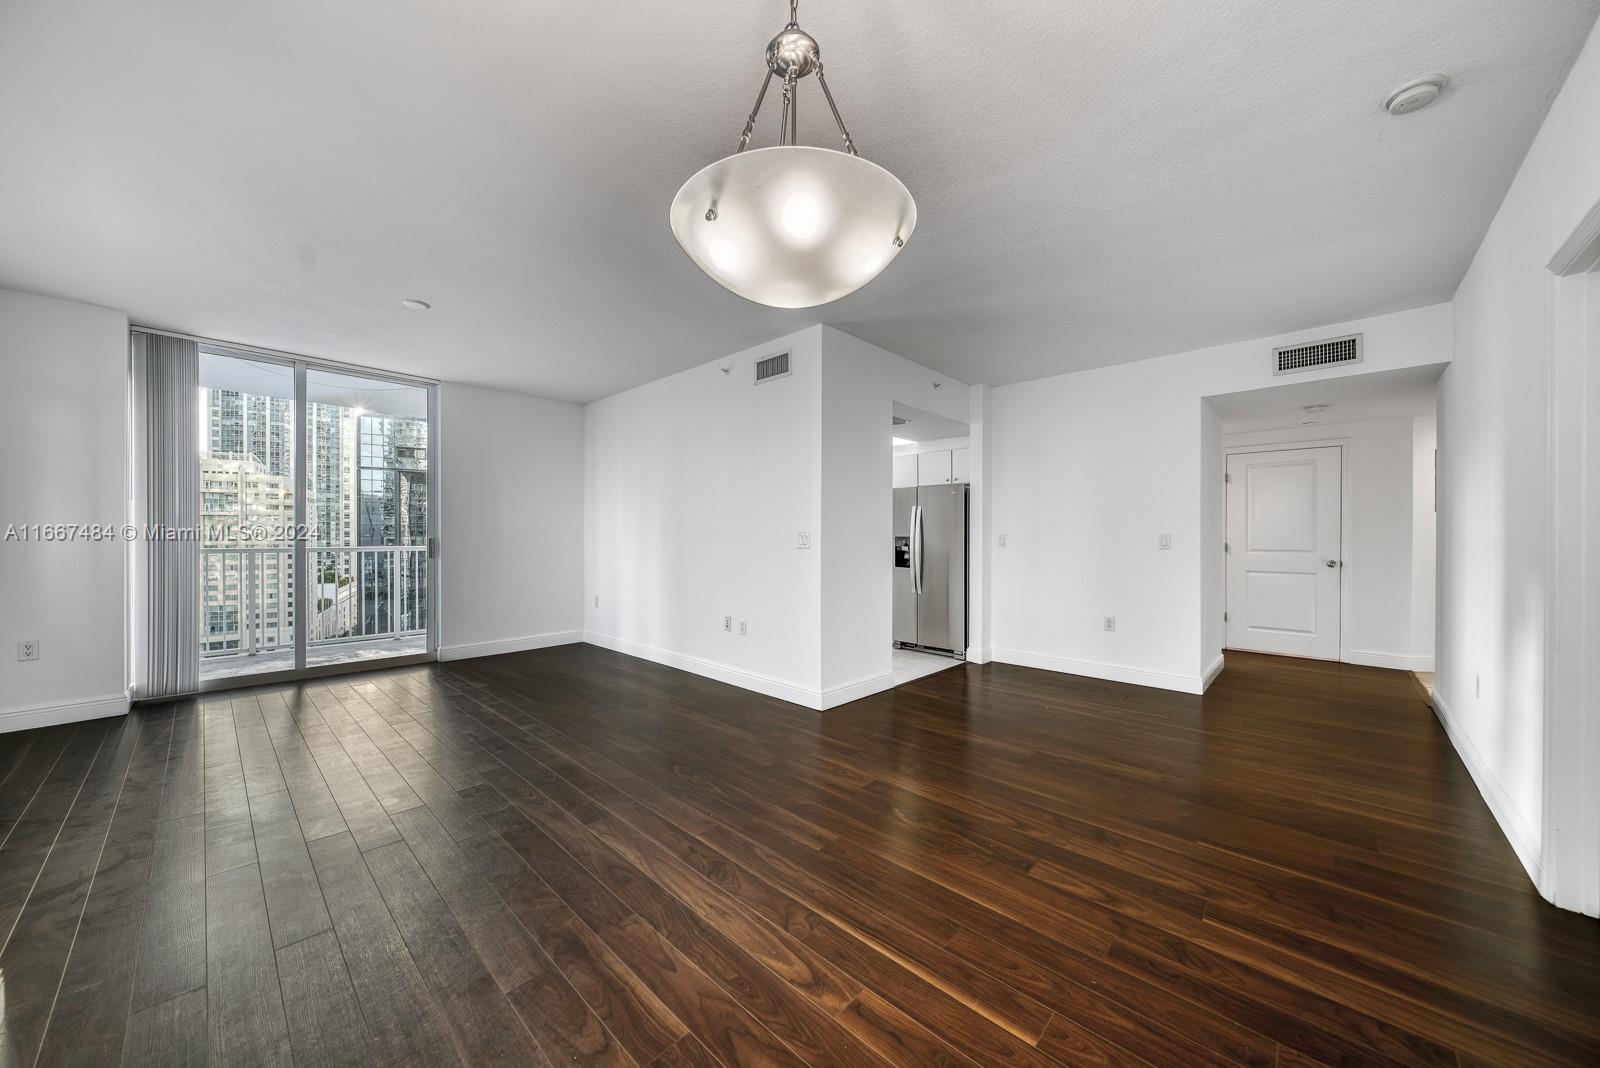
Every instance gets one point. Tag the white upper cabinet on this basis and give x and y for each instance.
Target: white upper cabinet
(961, 465)
(933, 468)
(905, 471)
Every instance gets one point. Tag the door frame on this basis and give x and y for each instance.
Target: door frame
(301, 364)
(1346, 528)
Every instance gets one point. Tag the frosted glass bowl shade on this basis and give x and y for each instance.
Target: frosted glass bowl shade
(795, 226)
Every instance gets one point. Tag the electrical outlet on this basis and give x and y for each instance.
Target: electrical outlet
(597, 600)
(1002, 541)
(28, 650)
(1111, 623)
(1163, 541)
(727, 623)
(744, 628)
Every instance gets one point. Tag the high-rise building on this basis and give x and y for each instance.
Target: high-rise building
(331, 455)
(247, 588)
(251, 424)
(394, 473)
(366, 486)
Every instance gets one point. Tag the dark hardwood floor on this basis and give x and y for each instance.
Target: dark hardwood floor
(574, 857)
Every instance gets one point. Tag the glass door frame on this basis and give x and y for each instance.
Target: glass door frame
(301, 545)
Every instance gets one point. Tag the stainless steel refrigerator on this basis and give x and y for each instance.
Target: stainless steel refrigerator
(930, 567)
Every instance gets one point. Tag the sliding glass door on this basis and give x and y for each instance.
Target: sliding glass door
(247, 518)
(367, 502)
(316, 517)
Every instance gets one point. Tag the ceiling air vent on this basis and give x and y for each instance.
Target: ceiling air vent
(772, 367)
(1325, 353)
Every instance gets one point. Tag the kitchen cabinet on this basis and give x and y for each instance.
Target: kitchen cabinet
(961, 465)
(905, 471)
(933, 468)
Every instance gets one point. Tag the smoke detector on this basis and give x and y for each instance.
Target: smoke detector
(1416, 94)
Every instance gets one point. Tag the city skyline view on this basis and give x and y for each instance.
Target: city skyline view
(366, 519)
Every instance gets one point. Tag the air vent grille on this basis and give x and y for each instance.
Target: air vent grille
(1327, 352)
(772, 367)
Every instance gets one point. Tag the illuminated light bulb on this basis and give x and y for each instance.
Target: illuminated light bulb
(801, 216)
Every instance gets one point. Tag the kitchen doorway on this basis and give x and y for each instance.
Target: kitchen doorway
(931, 482)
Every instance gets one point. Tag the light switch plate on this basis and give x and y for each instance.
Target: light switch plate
(802, 540)
(1163, 541)
(1002, 541)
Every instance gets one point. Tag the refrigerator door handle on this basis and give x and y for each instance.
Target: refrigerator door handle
(916, 547)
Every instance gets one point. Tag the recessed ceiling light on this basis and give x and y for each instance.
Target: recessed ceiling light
(1313, 407)
(902, 441)
(415, 305)
(1416, 94)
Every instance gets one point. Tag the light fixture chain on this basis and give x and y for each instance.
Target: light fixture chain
(788, 103)
(849, 145)
(789, 120)
(750, 123)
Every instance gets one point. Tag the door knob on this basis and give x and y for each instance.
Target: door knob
(1333, 563)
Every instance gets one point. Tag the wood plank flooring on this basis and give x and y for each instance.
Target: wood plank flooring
(573, 857)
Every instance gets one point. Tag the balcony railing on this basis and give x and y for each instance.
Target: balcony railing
(358, 594)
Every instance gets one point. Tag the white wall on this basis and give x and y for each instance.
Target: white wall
(1387, 613)
(1495, 526)
(980, 558)
(511, 521)
(860, 384)
(1213, 532)
(1089, 468)
(1424, 536)
(63, 434)
(697, 486)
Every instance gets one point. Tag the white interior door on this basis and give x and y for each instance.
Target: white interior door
(1284, 552)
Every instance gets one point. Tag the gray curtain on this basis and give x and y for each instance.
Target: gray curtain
(165, 496)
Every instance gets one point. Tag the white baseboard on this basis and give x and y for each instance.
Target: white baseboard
(980, 656)
(1096, 670)
(1397, 661)
(510, 645)
(855, 691)
(782, 689)
(1210, 675)
(1516, 829)
(21, 719)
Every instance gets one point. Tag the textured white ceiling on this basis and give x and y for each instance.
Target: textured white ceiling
(1097, 180)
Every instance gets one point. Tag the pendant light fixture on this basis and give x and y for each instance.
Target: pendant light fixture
(793, 226)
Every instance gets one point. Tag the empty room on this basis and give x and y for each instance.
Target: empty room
(1061, 534)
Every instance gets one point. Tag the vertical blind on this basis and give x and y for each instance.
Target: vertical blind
(165, 497)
